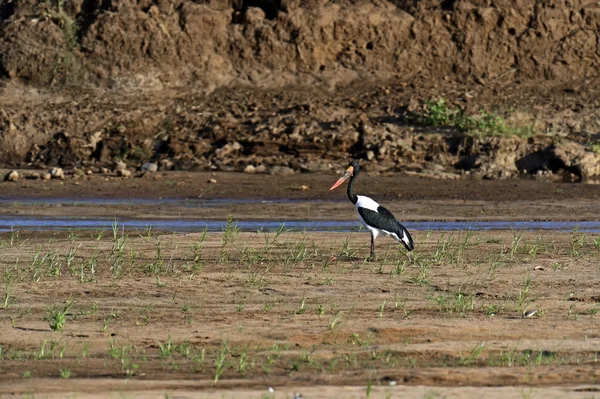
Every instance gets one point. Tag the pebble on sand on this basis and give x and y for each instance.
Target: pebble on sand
(149, 167)
(123, 173)
(57, 173)
(13, 175)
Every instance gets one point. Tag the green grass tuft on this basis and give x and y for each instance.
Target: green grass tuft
(439, 113)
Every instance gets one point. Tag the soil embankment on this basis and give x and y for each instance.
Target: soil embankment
(290, 86)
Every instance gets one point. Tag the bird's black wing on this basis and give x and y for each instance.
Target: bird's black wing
(381, 219)
(385, 220)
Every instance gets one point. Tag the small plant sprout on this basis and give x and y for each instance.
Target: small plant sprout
(474, 355)
(230, 231)
(336, 320)
(65, 373)
(301, 309)
(166, 349)
(57, 317)
(382, 308)
(7, 298)
(524, 293)
(221, 363)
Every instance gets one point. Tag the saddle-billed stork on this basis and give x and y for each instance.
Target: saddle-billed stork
(374, 216)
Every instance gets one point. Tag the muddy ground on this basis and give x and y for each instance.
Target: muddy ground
(172, 314)
(305, 196)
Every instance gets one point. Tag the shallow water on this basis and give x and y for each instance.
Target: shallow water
(8, 223)
(178, 202)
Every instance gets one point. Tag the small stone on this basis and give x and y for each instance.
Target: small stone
(57, 173)
(250, 169)
(282, 170)
(370, 155)
(254, 16)
(46, 176)
(166, 164)
(530, 313)
(104, 171)
(89, 172)
(212, 181)
(303, 187)
(261, 169)
(119, 165)
(13, 175)
(149, 167)
(123, 173)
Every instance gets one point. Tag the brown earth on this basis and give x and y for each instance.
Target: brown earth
(306, 197)
(225, 86)
(154, 44)
(153, 315)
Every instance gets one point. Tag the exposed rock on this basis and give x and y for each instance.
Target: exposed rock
(46, 176)
(119, 165)
(13, 175)
(254, 16)
(577, 159)
(166, 164)
(124, 173)
(228, 149)
(282, 170)
(314, 166)
(212, 181)
(77, 173)
(149, 167)
(103, 171)
(250, 169)
(57, 173)
(89, 172)
(261, 169)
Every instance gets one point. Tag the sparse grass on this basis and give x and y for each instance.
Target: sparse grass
(7, 298)
(440, 113)
(254, 284)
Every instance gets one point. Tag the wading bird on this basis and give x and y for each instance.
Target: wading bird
(374, 216)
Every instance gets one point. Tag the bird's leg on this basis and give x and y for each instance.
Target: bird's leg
(372, 255)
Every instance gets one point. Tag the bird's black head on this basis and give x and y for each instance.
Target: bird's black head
(355, 167)
(351, 170)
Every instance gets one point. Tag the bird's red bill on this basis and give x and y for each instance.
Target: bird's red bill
(338, 183)
(342, 179)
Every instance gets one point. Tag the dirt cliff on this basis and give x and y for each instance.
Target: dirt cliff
(153, 43)
(298, 85)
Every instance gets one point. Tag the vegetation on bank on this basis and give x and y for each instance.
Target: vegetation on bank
(440, 113)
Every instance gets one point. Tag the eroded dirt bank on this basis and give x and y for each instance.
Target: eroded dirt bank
(299, 85)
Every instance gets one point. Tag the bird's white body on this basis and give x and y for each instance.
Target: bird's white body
(368, 203)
